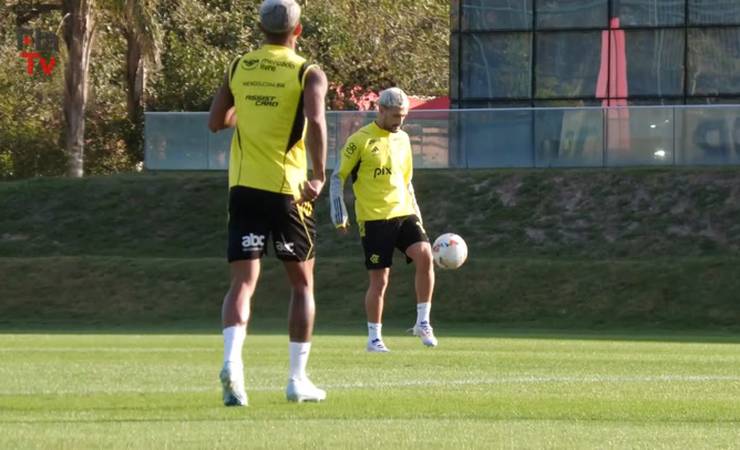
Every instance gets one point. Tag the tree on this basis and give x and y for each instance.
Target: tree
(79, 32)
(138, 22)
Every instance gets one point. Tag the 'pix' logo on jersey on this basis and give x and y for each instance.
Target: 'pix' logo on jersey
(44, 41)
(380, 171)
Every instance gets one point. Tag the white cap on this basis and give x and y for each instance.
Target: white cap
(393, 98)
(279, 16)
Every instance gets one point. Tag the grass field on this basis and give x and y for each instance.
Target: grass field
(474, 391)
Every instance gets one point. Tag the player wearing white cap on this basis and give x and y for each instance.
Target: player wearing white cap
(275, 101)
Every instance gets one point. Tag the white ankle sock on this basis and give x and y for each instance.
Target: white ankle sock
(422, 312)
(374, 331)
(299, 352)
(233, 343)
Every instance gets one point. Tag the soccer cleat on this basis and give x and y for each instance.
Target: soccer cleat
(304, 391)
(425, 333)
(377, 346)
(232, 382)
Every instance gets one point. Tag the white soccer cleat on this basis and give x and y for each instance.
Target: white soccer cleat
(304, 391)
(377, 346)
(232, 382)
(425, 333)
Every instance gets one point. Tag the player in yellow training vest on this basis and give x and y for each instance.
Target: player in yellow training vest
(378, 158)
(275, 102)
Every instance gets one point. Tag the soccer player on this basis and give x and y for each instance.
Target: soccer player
(379, 160)
(274, 99)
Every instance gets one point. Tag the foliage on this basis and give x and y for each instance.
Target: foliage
(30, 113)
(379, 43)
(201, 39)
(362, 46)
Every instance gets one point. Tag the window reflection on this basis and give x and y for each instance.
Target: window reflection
(567, 64)
(497, 65)
(649, 12)
(572, 13)
(497, 14)
(714, 61)
(714, 12)
(655, 63)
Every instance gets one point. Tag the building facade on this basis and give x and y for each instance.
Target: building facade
(521, 53)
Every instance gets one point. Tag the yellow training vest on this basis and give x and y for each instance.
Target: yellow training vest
(267, 150)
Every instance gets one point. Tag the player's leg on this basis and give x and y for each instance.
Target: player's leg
(374, 301)
(247, 235)
(378, 237)
(235, 314)
(415, 243)
(294, 238)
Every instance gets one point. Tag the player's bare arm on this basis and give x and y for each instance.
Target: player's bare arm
(222, 114)
(316, 141)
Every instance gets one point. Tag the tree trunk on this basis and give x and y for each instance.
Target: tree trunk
(134, 77)
(79, 25)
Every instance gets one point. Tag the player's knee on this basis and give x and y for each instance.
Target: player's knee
(242, 286)
(302, 287)
(379, 284)
(423, 259)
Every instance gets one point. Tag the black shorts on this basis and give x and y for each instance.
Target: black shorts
(256, 216)
(380, 237)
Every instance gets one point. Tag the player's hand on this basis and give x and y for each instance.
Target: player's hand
(343, 230)
(310, 190)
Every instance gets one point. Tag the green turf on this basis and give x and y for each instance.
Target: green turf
(571, 249)
(161, 391)
(678, 293)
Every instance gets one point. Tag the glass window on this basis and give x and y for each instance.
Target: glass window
(175, 141)
(708, 134)
(714, 61)
(655, 63)
(655, 101)
(488, 104)
(572, 13)
(455, 66)
(714, 12)
(496, 65)
(567, 64)
(497, 15)
(713, 100)
(497, 138)
(639, 136)
(566, 103)
(569, 137)
(649, 12)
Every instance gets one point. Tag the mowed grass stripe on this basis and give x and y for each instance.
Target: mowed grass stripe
(471, 392)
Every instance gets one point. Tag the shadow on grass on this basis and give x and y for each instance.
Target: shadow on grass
(651, 333)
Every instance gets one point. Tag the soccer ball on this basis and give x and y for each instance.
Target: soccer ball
(449, 251)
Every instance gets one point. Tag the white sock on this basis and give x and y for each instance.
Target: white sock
(298, 359)
(233, 343)
(422, 312)
(374, 331)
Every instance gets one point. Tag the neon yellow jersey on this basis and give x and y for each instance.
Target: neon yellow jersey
(381, 166)
(267, 150)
